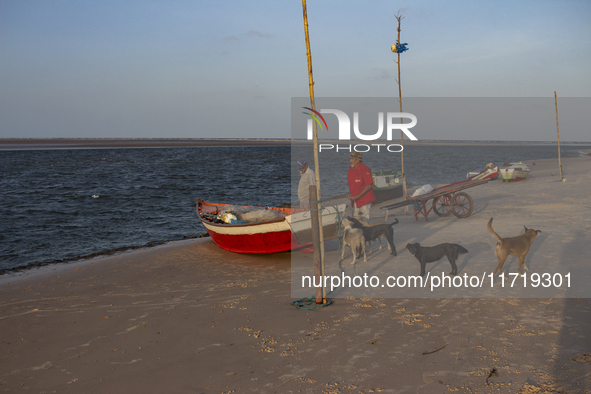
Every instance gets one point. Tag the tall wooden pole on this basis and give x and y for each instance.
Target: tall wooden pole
(318, 258)
(558, 133)
(318, 275)
(399, 18)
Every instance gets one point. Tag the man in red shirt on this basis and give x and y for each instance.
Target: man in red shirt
(360, 186)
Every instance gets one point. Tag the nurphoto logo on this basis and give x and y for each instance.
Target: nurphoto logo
(345, 129)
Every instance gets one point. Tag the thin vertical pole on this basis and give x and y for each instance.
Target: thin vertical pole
(318, 291)
(399, 18)
(316, 166)
(558, 133)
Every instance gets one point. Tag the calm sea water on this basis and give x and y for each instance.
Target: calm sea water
(61, 204)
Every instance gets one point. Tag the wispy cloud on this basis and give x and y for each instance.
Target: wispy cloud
(381, 74)
(254, 33)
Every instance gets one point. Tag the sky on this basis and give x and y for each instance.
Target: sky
(229, 69)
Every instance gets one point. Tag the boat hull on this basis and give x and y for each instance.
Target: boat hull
(291, 232)
(514, 174)
(387, 193)
(254, 241)
(489, 173)
(387, 185)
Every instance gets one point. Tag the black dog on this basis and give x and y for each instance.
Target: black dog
(371, 233)
(430, 254)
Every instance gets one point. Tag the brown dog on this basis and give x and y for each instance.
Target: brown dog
(355, 239)
(517, 246)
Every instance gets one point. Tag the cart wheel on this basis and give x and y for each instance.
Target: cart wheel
(462, 205)
(442, 205)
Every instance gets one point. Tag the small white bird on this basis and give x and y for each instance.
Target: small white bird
(95, 196)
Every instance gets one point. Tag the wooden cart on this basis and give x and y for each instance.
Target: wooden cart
(445, 200)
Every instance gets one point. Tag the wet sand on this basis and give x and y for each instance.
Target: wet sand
(189, 317)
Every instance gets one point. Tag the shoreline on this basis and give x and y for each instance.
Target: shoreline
(96, 143)
(56, 267)
(69, 260)
(110, 252)
(157, 243)
(111, 143)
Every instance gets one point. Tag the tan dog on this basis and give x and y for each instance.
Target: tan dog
(516, 246)
(355, 239)
(366, 224)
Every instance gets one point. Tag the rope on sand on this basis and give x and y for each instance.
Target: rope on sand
(303, 303)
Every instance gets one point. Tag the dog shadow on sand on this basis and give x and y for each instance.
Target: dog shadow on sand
(384, 254)
(360, 267)
(386, 258)
(536, 245)
(474, 249)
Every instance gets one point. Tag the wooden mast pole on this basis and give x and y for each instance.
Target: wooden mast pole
(558, 133)
(318, 243)
(399, 17)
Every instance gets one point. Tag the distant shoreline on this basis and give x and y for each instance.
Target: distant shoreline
(89, 143)
(78, 143)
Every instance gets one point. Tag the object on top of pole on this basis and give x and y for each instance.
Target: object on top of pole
(399, 48)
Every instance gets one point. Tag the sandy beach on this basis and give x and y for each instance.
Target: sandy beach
(189, 317)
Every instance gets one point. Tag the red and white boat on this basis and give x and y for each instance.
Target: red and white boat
(290, 229)
(491, 172)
